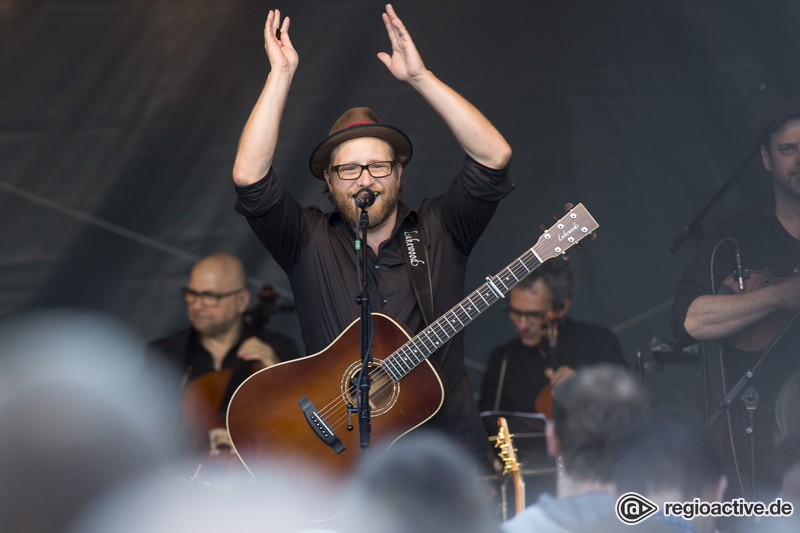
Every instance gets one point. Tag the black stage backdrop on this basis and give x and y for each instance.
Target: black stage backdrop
(119, 121)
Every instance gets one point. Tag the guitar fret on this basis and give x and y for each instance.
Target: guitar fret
(418, 355)
(444, 320)
(437, 335)
(506, 287)
(411, 358)
(459, 320)
(403, 362)
(484, 299)
(388, 366)
(467, 312)
(415, 351)
(489, 297)
(441, 323)
(427, 333)
(397, 371)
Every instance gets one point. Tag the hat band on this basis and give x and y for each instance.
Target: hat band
(362, 123)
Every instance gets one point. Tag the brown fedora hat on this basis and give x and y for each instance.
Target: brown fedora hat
(354, 123)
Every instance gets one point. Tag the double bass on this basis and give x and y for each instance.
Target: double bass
(204, 401)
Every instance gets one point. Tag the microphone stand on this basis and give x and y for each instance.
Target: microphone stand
(364, 381)
(749, 397)
(695, 227)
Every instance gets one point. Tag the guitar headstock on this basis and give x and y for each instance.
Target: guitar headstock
(507, 451)
(568, 231)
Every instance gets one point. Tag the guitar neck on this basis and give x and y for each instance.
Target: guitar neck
(433, 337)
(567, 232)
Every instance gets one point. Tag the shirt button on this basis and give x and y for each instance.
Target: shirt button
(385, 301)
(377, 267)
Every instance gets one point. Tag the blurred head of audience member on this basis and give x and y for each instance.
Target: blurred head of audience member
(669, 460)
(589, 411)
(73, 420)
(423, 483)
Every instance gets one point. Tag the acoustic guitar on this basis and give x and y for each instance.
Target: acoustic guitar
(298, 415)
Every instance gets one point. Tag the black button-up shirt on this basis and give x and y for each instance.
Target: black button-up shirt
(316, 250)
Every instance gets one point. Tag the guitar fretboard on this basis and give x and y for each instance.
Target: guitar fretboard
(433, 337)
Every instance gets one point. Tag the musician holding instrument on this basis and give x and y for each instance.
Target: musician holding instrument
(548, 347)
(316, 248)
(751, 304)
(225, 340)
(217, 299)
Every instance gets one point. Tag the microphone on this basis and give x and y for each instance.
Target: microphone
(364, 198)
(739, 272)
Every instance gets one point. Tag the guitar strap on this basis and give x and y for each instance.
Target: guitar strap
(415, 252)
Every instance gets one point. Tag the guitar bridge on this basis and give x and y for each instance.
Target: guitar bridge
(320, 425)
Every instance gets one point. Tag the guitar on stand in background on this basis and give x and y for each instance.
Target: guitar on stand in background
(508, 454)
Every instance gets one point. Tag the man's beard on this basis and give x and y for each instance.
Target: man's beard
(789, 182)
(385, 205)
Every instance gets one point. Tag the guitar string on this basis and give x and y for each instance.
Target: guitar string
(329, 411)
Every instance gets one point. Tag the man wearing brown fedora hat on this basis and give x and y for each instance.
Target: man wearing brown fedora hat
(755, 310)
(316, 248)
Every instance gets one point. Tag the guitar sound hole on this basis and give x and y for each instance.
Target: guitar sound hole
(383, 392)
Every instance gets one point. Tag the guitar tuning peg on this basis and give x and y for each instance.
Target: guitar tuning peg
(556, 217)
(565, 257)
(579, 247)
(592, 236)
(568, 206)
(544, 228)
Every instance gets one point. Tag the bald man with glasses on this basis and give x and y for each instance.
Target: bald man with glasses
(217, 299)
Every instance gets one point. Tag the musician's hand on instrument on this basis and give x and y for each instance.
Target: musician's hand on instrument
(254, 349)
(559, 375)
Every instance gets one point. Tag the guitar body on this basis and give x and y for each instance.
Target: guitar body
(267, 423)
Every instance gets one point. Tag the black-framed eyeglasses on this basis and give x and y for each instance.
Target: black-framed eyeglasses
(209, 299)
(376, 169)
(517, 315)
